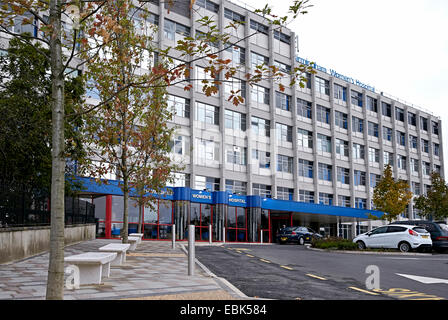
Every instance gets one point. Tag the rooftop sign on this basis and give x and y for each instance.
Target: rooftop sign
(335, 74)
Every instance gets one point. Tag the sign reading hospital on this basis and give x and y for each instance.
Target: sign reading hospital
(335, 74)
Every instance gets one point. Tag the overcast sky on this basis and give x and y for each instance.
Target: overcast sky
(399, 47)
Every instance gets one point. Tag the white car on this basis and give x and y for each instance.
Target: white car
(402, 237)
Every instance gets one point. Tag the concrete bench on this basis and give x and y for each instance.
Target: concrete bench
(133, 241)
(137, 235)
(120, 249)
(92, 265)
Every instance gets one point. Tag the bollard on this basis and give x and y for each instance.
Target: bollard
(224, 234)
(210, 234)
(261, 236)
(173, 241)
(191, 250)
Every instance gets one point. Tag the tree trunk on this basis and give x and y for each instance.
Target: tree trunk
(126, 211)
(140, 218)
(55, 281)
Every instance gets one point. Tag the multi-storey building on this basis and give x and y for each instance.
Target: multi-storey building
(305, 156)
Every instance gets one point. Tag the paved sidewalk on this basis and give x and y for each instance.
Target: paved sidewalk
(154, 271)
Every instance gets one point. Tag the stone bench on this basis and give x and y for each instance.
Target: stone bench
(137, 235)
(133, 241)
(92, 265)
(120, 249)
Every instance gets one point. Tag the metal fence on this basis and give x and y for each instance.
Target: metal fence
(20, 209)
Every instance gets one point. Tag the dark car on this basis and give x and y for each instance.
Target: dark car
(300, 235)
(437, 229)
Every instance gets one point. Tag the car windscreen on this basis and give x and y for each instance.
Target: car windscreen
(444, 226)
(289, 229)
(420, 230)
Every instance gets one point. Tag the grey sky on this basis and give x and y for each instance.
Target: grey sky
(398, 46)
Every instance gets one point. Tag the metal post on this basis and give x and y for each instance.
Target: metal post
(173, 241)
(191, 250)
(224, 234)
(261, 236)
(210, 233)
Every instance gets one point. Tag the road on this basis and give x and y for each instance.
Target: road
(289, 272)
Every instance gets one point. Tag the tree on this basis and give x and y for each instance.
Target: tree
(62, 43)
(434, 205)
(390, 196)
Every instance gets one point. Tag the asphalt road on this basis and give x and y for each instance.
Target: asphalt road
(289, 272)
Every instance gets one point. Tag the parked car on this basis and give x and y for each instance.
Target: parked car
(437, 229)
(300, 235)
(402, 237)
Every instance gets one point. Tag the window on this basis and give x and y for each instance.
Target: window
(325, 172)
(425, 146)
(344, 201)
(359, 178)
(237, 86)
(325, 199)
(387, 134)
(282, 67)
(213, 7)
(207, 113)
(415, 165)
(343, 175)
(426, 168)
(171, 28)
(263, 158)
(360, 203)
(261, 190)
(416, 188)
(260, 94)
(356, 98)
(323, 143)
(342, 147)
(386, 109)
(238, 54)
(203, 75)
(284, 132)
(340, 120)
(412, 119)
(437, 168)
(413, 141)
(304, 138)
(399, 114)
(374, 179)
(257, 60)
(372, 104)
(322, 86)
(179, 180)
(401, 138)
(236, 155)
(236, 187)
(323, 114)
(388, 158)
(261, 127)
(206, 183)
(179, 106)
(235, 120)
(282, 101)
(357, 124)
(258, 27)
(282, 37)
(372, 129)
(340, 92)
(180, 145)
(374, 155)
(285, 193)
(436, 149)
(229, 14)
(423, 124)
(284, 163)
(435, 128)
(307, 76)
(207, 150)
(306, 196)
(401, 162)
(305, 168)
(304, 109)
(358, 151)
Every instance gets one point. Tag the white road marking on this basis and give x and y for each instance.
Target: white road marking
(425, 280)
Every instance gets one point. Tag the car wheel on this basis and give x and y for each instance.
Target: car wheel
(404, 247)
(301, 241)
(361, 245)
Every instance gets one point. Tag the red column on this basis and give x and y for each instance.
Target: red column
(108, 221)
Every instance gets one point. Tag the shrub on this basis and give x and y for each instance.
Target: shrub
(334, 243)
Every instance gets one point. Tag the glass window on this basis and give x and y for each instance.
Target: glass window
(235, 120)
(340, 120)
(304, 138)
(282, 101)
(305, 168)
(399, 114)
(322, 86)
(258, 60)
(343, 175)
(323, 114)
(282, 37)
(412, 119)
(284, 163)
(387, 134)
(323, 143)
(261, 126)
(207, 113)
(260, 94)
(340, 92)
(236, 155)
(373, 129)
(357, 124)
(258, 27)
(386, 109)
(229, 14)
(306, 196)
(342, 147)
(179, 106)
(356, 98)
(372, 104)
(325, 172)
(263, 158)
(304, 109)
(284, 132)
